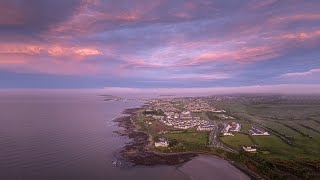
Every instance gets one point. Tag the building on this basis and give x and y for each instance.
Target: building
(261, 134)
(226, 128)
(158, 117)
(162, 142)
(258, 132)
(176, 116)
(249, 149)
(235, 127)
(228, 134)
(205, 127)
(229, 128)
(185, 115)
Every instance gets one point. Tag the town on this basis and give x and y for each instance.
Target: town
(192, 114)
(183, 117)
(234, 127)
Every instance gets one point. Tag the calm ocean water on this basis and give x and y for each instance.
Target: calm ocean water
(71, 136)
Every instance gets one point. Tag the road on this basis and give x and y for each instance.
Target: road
(214, 135)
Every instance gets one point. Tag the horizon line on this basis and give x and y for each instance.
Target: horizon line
(253, 89)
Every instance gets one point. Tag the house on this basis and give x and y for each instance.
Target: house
(249, 149)
(196, 118)
(162, 142)
(226, 128)
(228, 134)
(176, 116)
(235, 127)
(186, 115)
(258, 132)
(205, 127)
(158, 117)
(261, 134)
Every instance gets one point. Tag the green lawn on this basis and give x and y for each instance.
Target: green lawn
(280, 128)
(188, 141)
(275, 145)
(198, 137)
(245, 127)
(304, 148)
(154, 128)
(238, 140)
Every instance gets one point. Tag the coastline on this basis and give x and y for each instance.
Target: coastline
(138, 152)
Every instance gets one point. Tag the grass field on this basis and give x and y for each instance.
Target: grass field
(273, 144)
(293, 148)
(310, 123)
(245, 127)
(154, 127)
(237, 141)
(199, 138)
(199, 114)
(279, 128)
(216, 116)
(291, 151)
(288, 118)
(280, 150)
(189, 141)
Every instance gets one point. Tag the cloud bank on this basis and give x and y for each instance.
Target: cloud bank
(158, 43)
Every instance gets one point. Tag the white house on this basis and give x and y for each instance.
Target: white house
(249, 149)
(228, 134)
(261, 134)
(162, 143)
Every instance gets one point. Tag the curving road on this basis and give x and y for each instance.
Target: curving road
(214, 135)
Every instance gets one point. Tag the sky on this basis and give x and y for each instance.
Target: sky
(138, 44)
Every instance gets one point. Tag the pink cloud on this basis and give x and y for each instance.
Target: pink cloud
(306, 74)
(180, 54)
(187, 54)
(16, 60)
(262, 4)
(199, 77)
(182, 15)
(295, 17)
(302, 35)
(48, 59)
(87, 52)
(140, 64)
(247, 54)
(84, 21)
(8, 48)
(242, 45)
(52, 50)
(27, 64)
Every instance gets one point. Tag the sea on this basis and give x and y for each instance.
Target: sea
(65, 136)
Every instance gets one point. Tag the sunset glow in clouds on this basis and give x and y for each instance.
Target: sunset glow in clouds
(158, 43)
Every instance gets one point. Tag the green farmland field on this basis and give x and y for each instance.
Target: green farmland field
(237, 141)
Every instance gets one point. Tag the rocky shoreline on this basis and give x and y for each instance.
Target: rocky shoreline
(137, 151)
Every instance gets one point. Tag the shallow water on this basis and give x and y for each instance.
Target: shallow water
(71, 136)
